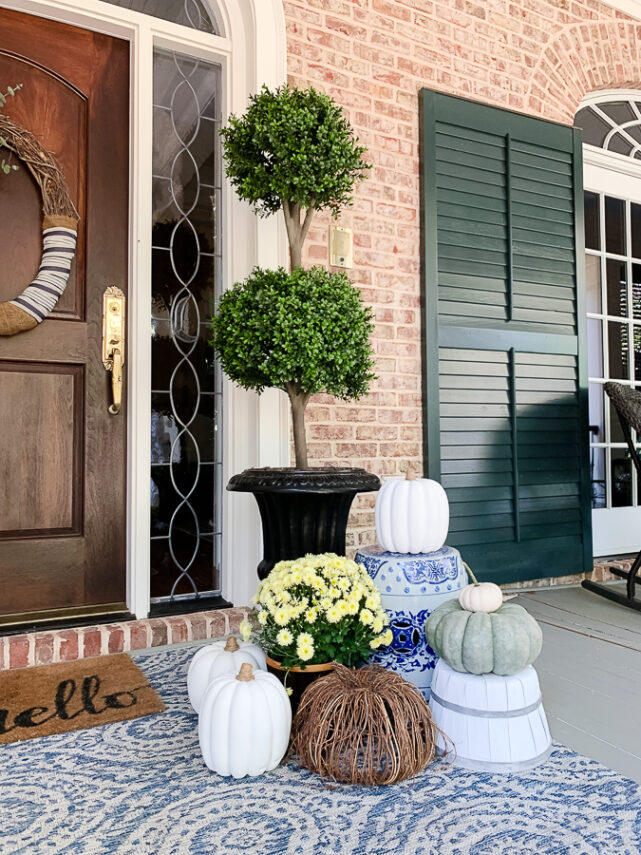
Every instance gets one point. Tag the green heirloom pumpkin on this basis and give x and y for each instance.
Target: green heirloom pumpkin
(502, 642)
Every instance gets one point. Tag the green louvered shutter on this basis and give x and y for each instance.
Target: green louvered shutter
(505, 362)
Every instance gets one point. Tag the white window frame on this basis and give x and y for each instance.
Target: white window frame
(630, 7)
(616, 531)
(251, 51)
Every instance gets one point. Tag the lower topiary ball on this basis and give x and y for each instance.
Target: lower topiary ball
(367, 726)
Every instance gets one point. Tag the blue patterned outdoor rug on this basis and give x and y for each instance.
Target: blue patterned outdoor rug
(140, 787)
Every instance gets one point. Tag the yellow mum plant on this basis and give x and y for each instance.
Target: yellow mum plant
(320, 608)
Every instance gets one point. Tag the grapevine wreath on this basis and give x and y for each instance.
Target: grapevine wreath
(59, 233)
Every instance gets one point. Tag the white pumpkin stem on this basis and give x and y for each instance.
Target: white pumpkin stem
(475, 581)
(410, 474)
(246, 673)
(232, 644)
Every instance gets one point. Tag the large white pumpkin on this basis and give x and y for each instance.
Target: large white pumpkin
(221, 657)
(412, 515)
(244, 724)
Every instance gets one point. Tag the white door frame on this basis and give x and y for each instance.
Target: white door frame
(251, 51)
(615, 531)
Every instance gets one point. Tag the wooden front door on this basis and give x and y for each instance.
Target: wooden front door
(63, 456)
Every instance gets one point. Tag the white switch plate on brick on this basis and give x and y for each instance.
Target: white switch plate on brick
(341, 247)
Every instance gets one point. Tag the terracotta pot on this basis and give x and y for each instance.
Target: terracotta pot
(298, 679)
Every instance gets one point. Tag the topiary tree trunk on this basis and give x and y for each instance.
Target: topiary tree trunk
(299, 401)
(297, 230)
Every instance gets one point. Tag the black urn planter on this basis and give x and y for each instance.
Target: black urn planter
(302, 510)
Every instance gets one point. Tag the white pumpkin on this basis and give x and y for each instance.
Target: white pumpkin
(244, 724)
(412, 515)
(480, 596)
(221, 657)
(483, 597)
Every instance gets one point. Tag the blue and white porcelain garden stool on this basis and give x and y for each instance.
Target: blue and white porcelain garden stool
(411, 587)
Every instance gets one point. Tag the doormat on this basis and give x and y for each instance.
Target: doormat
(73, 695)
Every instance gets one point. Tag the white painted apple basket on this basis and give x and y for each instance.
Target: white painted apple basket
(495, 724)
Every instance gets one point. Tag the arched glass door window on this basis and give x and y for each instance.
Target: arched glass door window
(189, 13)
(186, 393)
(612, 152)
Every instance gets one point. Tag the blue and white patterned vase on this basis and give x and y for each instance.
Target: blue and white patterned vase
(411, 587)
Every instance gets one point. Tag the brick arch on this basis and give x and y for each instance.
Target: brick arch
(583, 58)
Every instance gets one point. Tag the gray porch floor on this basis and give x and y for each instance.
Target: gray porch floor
(590, 674)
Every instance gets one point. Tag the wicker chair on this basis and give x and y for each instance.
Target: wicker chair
(627, 403)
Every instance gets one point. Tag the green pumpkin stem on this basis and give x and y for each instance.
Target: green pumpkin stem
(475, 581)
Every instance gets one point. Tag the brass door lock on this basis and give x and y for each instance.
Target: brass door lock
(113, 341)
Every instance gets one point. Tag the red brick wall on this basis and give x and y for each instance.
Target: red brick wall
(373, 56)
(65, 645)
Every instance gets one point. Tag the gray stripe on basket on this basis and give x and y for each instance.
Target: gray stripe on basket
(448, 705)
(495, 765)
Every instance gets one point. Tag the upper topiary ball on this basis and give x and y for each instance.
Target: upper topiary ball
(292, 146)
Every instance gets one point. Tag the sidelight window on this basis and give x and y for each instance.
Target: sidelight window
(186, 393)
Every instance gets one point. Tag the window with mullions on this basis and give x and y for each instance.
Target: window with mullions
(613, 126)
(613, 280)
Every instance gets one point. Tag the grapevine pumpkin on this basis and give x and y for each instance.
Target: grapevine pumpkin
(502, 642)
(412, 515)
(221, 657)
(244, 723)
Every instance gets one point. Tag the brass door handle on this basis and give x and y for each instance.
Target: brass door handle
(116, 382)
(113, 342)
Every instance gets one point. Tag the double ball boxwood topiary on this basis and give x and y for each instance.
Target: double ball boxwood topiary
(305, 331)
